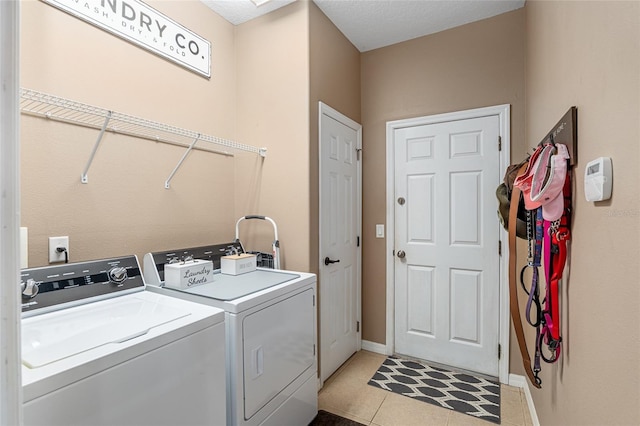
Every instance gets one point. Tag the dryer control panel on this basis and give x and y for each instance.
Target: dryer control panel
(73, 283)
(154, 262)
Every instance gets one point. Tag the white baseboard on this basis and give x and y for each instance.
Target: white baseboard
(378, 348)
(518, 381)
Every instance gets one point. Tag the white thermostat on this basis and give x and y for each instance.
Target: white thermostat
(598, 180)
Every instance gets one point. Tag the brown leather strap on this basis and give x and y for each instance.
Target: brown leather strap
(513, 287)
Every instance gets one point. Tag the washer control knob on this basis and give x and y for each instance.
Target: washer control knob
(117, 274)
(30, 289)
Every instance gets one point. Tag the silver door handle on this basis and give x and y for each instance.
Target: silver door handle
(401, 254)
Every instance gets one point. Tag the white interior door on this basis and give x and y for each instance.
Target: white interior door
(339, 277)
(446, 243)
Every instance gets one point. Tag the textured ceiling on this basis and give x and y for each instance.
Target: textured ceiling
(370, 24)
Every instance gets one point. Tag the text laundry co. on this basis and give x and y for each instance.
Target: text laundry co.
(136, 22)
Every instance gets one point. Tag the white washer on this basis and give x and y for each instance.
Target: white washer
(271, 337)
(98, 349)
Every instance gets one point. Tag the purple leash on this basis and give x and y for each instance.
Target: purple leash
(534, 257)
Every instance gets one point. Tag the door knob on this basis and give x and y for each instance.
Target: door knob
(328, 261)
(401, 254)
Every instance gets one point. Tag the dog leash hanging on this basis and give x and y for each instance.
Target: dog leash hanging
(558, 235)
(513, 289)
(546, 186)
(534, 244)
(535, 254)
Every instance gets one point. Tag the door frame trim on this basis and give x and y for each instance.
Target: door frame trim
(504, 114)
(324, 109)
(11, 410)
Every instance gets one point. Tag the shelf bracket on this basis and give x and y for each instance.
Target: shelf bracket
(84, 178)
(167, 183)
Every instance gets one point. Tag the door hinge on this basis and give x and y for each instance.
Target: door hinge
(358, 151)
(358, 241)
(314, 300)
(499, 351)
(499, 143)
(357, 326)
(314, 349)
(499, 247)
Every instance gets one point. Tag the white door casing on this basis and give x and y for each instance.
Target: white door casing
(340, 204)
(10, 347)
(446, 296)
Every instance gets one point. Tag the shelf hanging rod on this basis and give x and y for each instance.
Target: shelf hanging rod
(84, 178)
(167, 183)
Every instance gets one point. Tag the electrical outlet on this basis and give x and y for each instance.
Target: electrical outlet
(56, 255)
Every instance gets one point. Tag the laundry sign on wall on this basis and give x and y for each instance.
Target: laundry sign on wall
(144, 26)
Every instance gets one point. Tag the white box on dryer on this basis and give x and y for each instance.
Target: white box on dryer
(237, 264)
(188, 274)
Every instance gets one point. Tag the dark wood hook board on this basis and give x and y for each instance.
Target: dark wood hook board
(566, 132)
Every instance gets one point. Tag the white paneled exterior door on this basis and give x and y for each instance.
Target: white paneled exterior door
(339, 277)
(446, 267)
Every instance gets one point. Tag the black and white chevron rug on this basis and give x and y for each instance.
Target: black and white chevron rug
(461, 392)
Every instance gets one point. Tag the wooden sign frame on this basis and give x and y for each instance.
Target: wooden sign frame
(566, 132)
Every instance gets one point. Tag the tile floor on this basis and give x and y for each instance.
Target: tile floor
(347, 394)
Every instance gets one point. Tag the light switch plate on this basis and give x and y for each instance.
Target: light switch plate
(380, 231)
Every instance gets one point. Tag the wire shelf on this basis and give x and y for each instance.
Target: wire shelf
(60, 109)
(56, 108)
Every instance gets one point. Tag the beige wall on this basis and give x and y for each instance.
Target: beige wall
(286, 62)
(259, 94)
(124, 209)
(273, 102)
(476, 65)
(335, 69)
(334, 80)
(587, 54)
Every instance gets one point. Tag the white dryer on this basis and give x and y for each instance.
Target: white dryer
(98, 349)
(271, 337)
